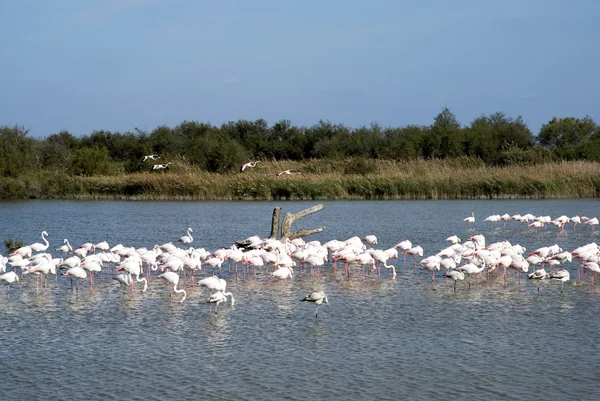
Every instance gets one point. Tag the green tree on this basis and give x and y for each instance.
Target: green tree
(444, 139)
(497, 139)
(91, 161)
(16, 155)
(403, 143)
(569, 137)
(216, 153)
(57, 150)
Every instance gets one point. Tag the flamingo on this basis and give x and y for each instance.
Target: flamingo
(470, 219)
(470, 269)
(415, 251)
(562, 276)
(24, 251)
(173, 278)
(214, 262)
(213, 283)
(10, 278)
(218, 297)
(505, 217)
(539, 274)
(66, 248)
(453, 239)
(575, 220)
(283, 272)
(290, 171)
(92, 265)
(37, 247)
(103, 246)
(76, 272)
(249, 164)
(317, 298)
(187, 239)
(592, 222)
(133, 266)
(160, 166)
(370, 239)
(455, 275)
(124, 279)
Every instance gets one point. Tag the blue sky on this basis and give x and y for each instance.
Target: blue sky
(120, 64)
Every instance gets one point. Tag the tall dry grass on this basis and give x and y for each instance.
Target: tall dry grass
(461, 178)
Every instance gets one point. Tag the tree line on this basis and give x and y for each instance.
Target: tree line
(495, 139)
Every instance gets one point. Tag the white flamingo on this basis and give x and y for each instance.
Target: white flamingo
(66, 248)
(76, 273)
(470, 219)
(172, 279)
(283, 272)
(539, 274)
(37, 247)
(317, 298)
(187, 239)
(562, 276)
(455, 275)
(217, 298)
(249, 164)
(213, 283)
(10, 278)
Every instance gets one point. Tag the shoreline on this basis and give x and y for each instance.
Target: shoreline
(385, 180)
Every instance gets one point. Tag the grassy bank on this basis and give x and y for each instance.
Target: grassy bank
(322, 179)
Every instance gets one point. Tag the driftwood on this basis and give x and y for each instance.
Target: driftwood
(286, 226)
(275, 223)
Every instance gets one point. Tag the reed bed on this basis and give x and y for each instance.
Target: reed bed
(461, 178)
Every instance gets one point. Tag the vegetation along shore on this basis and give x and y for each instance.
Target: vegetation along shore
(495, 157)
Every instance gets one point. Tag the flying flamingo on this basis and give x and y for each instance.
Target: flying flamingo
(160, 166)
(217, 298)
(317, 298)
(172, 278)
(291, 171)
(249, 164)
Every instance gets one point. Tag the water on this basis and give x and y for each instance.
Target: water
(376, 339)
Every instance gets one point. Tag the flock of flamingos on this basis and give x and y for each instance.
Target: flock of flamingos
(281, 260)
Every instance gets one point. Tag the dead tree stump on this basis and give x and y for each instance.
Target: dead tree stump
(286, 225)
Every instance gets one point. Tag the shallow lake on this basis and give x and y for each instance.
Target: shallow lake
(378, 338)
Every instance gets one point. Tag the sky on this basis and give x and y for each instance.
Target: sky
(118, 65)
